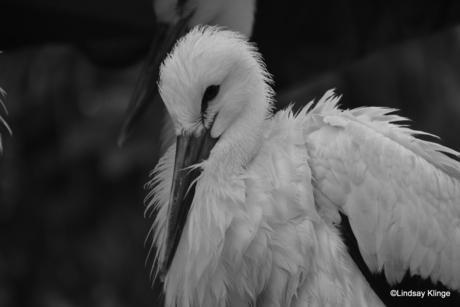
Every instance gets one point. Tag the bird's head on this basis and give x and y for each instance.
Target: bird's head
(174, 19)
(216, 90)
(210, 79)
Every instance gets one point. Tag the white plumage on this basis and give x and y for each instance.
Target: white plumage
(235, 15)
(174, 19)
(261, 226)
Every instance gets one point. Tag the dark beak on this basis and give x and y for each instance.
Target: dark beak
(190, 150)
(146, 88)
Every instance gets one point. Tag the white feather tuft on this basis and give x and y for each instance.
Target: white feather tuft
(400, 193)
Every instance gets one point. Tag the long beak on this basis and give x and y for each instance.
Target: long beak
(146, 88)
(190, 150)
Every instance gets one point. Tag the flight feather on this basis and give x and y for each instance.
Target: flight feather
(401, 194)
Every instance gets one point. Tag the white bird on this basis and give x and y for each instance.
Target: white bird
(248, 202)
(174, 19)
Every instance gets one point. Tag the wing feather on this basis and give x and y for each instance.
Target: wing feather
(401, 194)
(3, 124)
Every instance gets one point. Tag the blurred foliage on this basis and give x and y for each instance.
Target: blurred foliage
(71, 202)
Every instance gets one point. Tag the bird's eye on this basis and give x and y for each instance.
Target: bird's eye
(210, 93)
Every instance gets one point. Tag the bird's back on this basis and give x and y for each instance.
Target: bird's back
(293, 255)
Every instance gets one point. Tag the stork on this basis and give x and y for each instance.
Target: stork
(174, 19)
(248, 202)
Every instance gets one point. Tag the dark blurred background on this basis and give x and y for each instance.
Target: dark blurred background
(72, 224)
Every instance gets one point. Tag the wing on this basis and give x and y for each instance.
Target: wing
(401, 194)
(3, 124)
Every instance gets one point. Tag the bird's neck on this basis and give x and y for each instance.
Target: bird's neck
(233, 158)
(238, 146)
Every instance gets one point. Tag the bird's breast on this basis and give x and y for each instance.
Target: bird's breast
(244, 231)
